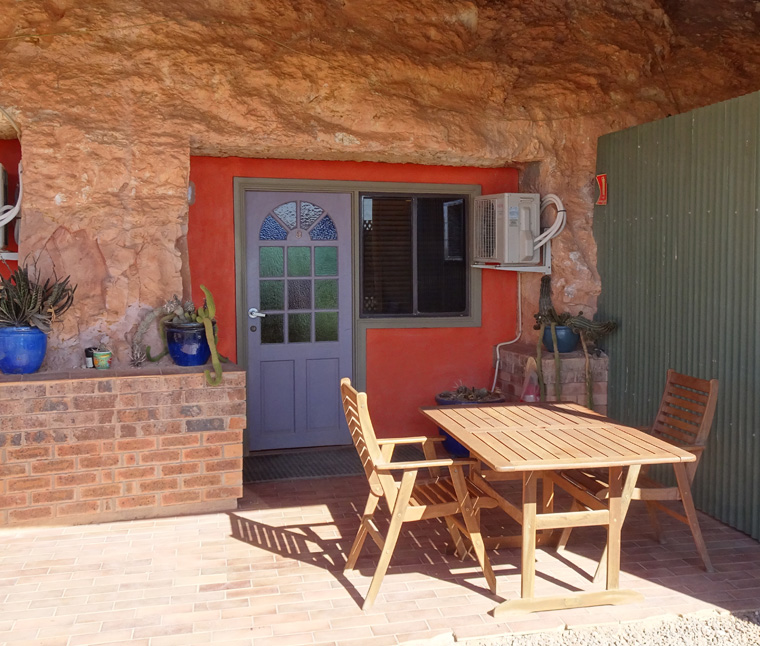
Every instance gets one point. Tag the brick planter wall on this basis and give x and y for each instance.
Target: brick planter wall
(513, 359)
(94, 446)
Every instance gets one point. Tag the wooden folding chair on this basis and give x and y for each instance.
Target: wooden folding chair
(684, 418)
(411, 499)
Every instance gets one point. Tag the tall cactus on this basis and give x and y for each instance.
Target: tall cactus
(206, 315)
(174, 311)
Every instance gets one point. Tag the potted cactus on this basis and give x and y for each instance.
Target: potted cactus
(28, 308)
(188, 334)
(560, 333)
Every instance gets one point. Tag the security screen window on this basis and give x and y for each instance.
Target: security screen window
(413, 255)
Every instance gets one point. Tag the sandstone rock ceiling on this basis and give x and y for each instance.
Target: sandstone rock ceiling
(367, 67)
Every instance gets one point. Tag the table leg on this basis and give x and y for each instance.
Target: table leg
(625, 501)
(528, 534)
(613, 529)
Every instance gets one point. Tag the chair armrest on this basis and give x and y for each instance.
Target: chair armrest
(423, 464)
(428, 448)
(409, 440)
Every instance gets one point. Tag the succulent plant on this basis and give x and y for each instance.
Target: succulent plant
(465, 393)
(137, 355)
(25, 301)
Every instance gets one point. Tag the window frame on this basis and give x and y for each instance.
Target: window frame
(449, 198)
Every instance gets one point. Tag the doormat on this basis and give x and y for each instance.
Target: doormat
(295, 464)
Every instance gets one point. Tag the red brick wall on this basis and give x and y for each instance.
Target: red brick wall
(93, 446)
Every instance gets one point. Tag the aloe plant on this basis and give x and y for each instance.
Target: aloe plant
(25, 301)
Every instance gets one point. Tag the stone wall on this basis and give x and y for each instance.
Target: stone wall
(112, 98)
(512, 362)
(91, 446)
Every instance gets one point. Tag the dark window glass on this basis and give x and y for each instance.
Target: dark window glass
(273, 328)
(441, 277)
(414, 260)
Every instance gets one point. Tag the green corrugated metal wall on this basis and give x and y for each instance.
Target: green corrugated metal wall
(679, 252)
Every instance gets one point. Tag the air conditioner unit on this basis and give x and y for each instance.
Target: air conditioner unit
(504, 227)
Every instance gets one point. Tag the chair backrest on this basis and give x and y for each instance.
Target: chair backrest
(362, 433)
(686, 410)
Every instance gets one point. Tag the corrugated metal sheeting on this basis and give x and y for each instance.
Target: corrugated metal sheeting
(679, 252)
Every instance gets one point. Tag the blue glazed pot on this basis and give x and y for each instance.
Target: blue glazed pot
(22, 349)
(566, 339)
(449, 443)
(187, 343)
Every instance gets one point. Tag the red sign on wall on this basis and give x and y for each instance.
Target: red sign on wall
(602, 181)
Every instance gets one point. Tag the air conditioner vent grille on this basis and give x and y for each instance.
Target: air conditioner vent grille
(485, 229)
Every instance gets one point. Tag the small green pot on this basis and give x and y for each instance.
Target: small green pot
(102, 360)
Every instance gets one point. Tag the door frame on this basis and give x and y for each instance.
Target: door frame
(360, 325)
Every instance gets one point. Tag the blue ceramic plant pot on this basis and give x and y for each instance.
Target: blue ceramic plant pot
(22, 349)
(567, 340)
(187, 343)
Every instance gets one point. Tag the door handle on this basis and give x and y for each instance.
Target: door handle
(253, 313)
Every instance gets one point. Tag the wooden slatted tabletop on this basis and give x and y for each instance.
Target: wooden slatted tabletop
(550, 437)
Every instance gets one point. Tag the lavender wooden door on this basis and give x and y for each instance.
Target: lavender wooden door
(299, 275)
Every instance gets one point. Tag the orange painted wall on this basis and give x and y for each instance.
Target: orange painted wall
(405, 368)
(10, 154)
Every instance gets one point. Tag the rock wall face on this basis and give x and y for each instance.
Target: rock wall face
(113, 97)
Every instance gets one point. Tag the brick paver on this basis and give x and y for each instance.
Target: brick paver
(272, 573)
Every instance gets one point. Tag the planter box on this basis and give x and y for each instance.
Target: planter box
(573, 375)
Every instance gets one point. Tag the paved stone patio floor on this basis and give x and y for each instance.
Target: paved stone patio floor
(272, 573)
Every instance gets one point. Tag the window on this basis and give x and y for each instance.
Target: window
(413, 255)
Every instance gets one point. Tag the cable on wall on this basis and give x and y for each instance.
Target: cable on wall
(550, 199)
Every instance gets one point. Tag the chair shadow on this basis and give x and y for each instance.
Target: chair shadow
(425, 549)
(299, 540)
(293, 541)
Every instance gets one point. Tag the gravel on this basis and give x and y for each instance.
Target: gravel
(742, 629)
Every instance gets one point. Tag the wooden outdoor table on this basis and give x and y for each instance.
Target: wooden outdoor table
(538, 440)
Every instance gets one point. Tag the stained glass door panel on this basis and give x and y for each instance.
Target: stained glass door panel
(298, 274)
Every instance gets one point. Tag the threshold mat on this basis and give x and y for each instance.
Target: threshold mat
(324, 462)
